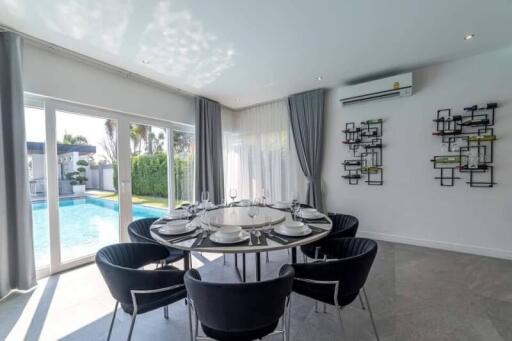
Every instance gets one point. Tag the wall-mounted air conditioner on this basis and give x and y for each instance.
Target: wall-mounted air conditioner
(389, 87)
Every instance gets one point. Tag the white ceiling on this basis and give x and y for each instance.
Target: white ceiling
(242, 52)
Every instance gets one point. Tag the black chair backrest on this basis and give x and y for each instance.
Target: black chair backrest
(343, 225)
(244, 306)
(138, 230)
(119, 264)
(349, 262)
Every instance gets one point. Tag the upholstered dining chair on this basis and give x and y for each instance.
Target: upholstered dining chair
(343, 226)
(338, 279)
(139, 232)
(245, 311)
(138, 290)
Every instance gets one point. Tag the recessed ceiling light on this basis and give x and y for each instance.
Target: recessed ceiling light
(319, 78)
(145, 61)
(469, 36)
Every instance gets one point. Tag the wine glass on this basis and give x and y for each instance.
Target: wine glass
(296, 209)
(253, 212)
(233, 194)
(205, 197)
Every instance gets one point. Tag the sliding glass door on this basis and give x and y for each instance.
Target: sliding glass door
(86, 172)
(36, 158)
(93, 171)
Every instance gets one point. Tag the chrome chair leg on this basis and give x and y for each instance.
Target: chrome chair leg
(190, 329)
(224, 259)
(361, 301)
(316, 306)
(113, 319)
(371, 314)
(266, 258)
(338, 310)
(134, 316)
(166, 312)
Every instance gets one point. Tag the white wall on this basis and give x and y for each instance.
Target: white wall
(411, 206)
(57, 75)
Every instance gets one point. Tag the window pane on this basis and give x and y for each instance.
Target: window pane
(87, 176)
(149, 170)
(184, 147)
(36, 157)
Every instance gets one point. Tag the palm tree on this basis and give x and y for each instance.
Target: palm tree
(110, 141)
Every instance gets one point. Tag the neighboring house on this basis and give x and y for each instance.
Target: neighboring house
(67, 157)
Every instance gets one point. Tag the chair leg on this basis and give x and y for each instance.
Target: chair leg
(316, 306)
(325, 308)
(166, 312)
(190, 330)
(361, 301)
(288, 326)
(224, 259)
(266, 258)
(338, 310)
(371, 315)
(113, 319)
(134, 316)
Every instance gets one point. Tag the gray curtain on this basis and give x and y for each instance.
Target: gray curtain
(307, 123)
(209, 161)
(17, 269)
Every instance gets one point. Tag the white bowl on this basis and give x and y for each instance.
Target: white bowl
(293, 226)
(178, 214)
(281, 204)
(176, 225)
(309, 213)
(244, 203)
(229, 233)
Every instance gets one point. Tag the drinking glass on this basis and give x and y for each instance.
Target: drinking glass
(205, 197)
(253, 212)
(233, 194)
(296, 208)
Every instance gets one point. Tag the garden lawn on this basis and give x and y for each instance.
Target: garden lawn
(136, 199)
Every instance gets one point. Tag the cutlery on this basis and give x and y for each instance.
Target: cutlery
(258, 235)
(277, 237)
(183, 238)
(203, 237)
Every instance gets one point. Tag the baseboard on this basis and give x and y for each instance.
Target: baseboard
(472, 249)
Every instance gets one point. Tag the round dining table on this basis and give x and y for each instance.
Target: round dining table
(267, 240)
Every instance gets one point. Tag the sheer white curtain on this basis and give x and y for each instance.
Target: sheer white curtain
(259, 154)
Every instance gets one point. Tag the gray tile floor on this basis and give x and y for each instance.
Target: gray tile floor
(416, 294)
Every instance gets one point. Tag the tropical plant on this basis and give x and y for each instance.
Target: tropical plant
(74, 139)
(109, 143)
(78, 177)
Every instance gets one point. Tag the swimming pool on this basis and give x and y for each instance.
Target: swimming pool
(86, 224)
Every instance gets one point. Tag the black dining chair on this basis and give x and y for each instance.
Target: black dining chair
(139, 232)
(343, 226)
(138, 290)
(245, 311)
(338, 279)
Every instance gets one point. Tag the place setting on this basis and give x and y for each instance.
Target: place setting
(230, 236)
(178, 230)
(291, 231)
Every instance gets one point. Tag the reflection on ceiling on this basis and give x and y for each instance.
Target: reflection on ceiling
(245, 52)
(177, 45)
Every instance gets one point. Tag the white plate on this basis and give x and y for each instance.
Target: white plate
(209, 206)
(178, 214)
(188, 228)
(244, 235)
(281, 205)
(318, 215)
(280, 229)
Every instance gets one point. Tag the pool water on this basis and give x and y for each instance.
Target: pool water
(86, 225)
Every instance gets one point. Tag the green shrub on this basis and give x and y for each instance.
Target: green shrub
(149, 175)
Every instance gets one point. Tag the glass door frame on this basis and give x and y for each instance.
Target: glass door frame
(51, 106)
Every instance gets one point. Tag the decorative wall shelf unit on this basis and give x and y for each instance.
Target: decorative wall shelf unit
(468, 141)
(365, 145)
